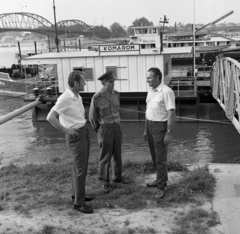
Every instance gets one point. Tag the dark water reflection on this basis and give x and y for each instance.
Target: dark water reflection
(24, 141)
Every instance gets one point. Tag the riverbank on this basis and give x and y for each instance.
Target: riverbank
(36, 199)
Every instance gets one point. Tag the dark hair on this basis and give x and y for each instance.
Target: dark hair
(156, 71)
(75, 76)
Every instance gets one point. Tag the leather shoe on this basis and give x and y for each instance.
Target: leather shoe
(84, 209)
(152, 184)
(87, 198)
(122, 181)
(160, 193)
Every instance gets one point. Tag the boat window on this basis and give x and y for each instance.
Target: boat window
(153, 46)
(88, 72)
(150, 31)
(138, 31)
(114, 69)
(154, 30)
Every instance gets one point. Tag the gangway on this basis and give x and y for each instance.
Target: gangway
(225, 82)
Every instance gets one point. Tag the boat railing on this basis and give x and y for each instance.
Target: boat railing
(42, 84)
(184, 86)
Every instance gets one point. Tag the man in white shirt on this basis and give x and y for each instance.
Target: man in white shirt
(68, 116)
(160, 120)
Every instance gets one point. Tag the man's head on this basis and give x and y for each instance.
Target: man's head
(154, 77)
(107, 80)
(76, 81)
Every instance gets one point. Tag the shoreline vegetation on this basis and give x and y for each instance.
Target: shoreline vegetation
(32, 188)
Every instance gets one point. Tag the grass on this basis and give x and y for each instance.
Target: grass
(49, 185)
(33, 186)
(148, 230)
(47, 229)
(196, 220)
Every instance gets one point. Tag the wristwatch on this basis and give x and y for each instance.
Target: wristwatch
(169, 130)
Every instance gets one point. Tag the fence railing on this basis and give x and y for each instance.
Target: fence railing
(184, 86)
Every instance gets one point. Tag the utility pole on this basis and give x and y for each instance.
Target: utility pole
(55, 22)
(164, 21)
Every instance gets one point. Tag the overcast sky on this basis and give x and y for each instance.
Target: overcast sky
(106, 12)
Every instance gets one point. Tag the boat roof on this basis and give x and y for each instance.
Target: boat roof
(187, 34)
(44, 58)
(150, 26)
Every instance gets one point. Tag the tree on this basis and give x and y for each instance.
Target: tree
(117, 30)
(139, 22)
(102, 32)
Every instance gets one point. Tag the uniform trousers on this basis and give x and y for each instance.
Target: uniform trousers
(110, 140)
(155, 135)
(79, 148)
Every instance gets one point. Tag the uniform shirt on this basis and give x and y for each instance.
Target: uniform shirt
(103, 109)
(159, 102)
(71, 110)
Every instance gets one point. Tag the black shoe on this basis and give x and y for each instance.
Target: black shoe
(152, 184)
(87, 198)
(84, 209)
(121, 180)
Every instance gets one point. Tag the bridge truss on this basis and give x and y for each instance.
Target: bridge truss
(226, 88)
(23, 21)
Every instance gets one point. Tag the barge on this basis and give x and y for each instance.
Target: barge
(129, 64)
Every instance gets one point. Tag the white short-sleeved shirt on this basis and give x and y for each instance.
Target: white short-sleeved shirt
(159, 102)
(71, 110)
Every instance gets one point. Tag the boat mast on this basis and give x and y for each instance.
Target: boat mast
(55, 23)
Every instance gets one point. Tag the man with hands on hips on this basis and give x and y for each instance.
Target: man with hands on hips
(68, 116)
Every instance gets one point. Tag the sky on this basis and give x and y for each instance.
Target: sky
(106, 12)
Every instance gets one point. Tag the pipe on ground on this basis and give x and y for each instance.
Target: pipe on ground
(19, 111)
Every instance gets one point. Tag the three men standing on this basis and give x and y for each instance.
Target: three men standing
(160, 121)
(105, 120)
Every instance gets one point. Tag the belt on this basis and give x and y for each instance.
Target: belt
(113, 124)
(150, 121)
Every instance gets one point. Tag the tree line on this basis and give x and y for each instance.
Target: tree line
(117, 30)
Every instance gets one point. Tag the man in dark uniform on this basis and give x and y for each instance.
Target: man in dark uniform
(105, 120)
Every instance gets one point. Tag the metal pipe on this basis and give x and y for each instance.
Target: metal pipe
(35, 45)
(55, 23)
(19, 49)
(19, 111)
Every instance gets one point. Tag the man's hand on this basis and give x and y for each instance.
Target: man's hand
(72, 131)
(167, 138)
(145, 136)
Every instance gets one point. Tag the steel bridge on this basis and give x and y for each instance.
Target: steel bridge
(225, 82)
(28, 22)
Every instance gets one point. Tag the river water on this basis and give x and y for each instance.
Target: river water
(21, 140)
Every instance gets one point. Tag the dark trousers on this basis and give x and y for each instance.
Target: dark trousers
(79, 148)
(110, 140)
(155, 134)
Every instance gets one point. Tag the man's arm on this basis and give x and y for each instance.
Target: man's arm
(93, 118)
(170, 126)
(52, 118)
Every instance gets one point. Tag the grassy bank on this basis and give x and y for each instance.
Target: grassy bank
(49, 185)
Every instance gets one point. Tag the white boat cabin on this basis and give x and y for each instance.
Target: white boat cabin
(128, 62)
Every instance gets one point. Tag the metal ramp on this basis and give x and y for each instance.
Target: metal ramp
(225, 82)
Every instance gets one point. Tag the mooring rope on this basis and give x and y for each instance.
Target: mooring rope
(180, 117)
